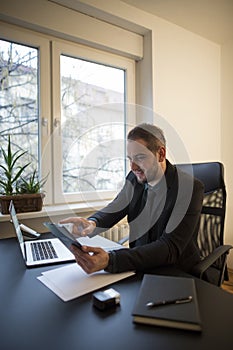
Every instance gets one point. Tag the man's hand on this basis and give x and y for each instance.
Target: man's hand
(81, 226)
(90, 259)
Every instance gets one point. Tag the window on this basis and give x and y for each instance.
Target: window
(91, 121)
(25, 95)
(66, 105)
(19, 100)
(92, 116)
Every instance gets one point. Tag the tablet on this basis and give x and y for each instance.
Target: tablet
(61, 232)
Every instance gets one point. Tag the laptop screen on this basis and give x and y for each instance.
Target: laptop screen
(17, 227)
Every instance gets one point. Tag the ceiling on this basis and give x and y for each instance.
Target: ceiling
(212, 19)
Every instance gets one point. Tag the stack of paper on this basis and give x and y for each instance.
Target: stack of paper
(71, 281)
(99, 241)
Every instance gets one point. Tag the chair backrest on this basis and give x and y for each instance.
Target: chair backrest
(214, 205)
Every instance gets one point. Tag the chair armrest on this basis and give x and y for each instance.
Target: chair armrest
(123, 240)
(202, 266)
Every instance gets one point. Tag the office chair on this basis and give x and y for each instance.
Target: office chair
(213, 251)
(211, 233)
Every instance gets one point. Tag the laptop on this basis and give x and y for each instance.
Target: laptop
(40, 252)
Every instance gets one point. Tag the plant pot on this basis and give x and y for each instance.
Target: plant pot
(23, 202)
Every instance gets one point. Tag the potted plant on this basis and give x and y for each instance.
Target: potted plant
(26, 192)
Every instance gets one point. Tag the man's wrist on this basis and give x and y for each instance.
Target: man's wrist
(94, 220)
(111, 262)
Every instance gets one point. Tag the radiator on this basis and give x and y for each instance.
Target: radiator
(117, 232)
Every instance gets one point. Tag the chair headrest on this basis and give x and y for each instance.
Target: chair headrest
(211, 174)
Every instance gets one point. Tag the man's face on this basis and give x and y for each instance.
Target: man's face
(144, 164)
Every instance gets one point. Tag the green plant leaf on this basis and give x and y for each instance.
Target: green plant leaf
(30, 184)
(11, 172)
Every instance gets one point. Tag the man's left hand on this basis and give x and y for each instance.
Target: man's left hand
(91, 259)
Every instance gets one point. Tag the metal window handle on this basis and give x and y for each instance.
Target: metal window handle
(57, 125)
(45, 125)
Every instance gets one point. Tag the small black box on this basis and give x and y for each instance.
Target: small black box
(106, 299)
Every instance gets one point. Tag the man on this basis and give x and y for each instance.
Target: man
(162, 206)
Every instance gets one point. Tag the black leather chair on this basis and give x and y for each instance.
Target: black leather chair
(211, 234)
(213, 251)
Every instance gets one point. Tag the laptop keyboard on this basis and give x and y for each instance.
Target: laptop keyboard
(43, 251)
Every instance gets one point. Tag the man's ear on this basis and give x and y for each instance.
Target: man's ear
(162, 153)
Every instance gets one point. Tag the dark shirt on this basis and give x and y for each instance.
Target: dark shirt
(163, 222)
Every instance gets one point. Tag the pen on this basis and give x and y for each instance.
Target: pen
(28, 229)
(170, 301)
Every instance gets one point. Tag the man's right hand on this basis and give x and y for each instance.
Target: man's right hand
(81, 226)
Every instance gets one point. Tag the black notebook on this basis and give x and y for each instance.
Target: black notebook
(181, 310)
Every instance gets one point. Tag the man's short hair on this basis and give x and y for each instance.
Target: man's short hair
(151, 134)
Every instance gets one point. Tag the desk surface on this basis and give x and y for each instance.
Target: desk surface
(33, 317)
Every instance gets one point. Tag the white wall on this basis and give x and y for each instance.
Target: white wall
(227, 139)
(187, 89)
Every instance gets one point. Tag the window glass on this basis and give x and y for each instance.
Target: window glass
(92, 125)
(19, 106)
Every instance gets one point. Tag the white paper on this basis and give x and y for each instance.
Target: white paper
(70, 281)
(99, 241)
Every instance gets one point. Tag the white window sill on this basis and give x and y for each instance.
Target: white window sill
(54, 213)
(71, 209)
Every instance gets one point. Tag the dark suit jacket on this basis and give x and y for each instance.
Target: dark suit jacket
(163, 235)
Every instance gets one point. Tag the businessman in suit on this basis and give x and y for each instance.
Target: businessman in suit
(162, 205)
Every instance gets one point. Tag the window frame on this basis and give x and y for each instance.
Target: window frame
(27, 37)
(87, 53)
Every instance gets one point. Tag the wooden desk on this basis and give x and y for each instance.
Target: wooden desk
(32, 317)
